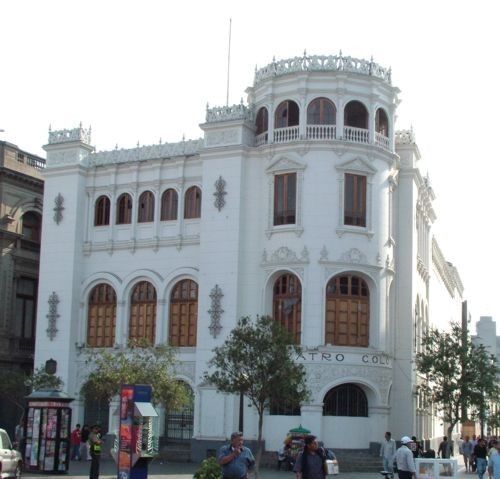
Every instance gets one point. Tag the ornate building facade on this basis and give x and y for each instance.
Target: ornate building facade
(304, 204)
(21, 195)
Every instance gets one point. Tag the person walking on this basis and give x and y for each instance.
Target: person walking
(310, 463)
(387, 453)
(84, 443)
(235, 458)
(405, 461)
(494, 465)
(467, 448)
(95, 446)
(444, 450)
(480, 455)
(76, 439)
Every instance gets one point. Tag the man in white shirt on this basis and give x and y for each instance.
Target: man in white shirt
(387, 453)
(405, 461)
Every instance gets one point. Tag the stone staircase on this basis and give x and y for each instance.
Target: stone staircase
(350, 460)
(175, 451)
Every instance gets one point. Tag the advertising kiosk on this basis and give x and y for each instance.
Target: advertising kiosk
(137, 439)
(48, 429)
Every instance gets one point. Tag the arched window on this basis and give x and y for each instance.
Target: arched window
(346, 400)
(143, 312)
(261, 121)
(381, 122)
(101, 215)
(287, 304)
(356, 115)
(169, 200)
(321, 111)
(124, 209)
(183, 318)
(146, 212)
(32, 226)
(287, 114)
(192, 203)
(347, 311)
(101, 320)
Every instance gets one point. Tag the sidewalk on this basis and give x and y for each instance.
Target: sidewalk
(171, 470)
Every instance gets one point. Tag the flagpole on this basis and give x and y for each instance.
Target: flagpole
(228, 63)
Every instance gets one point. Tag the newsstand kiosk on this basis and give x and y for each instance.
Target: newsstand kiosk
(48, 429)
(137, 439)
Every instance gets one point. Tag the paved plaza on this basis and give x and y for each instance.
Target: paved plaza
(161, 470)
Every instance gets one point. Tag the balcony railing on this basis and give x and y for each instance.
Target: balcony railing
(284, 135)
(382, 140)
(356, 135)
(321, 132)
(261, 139)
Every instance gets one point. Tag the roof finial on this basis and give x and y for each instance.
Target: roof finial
(137, 143)
(160, 140)
(305, 53)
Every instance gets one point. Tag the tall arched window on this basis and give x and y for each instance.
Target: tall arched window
(124, 209)
(143, 312)
(183, 318)
(101, 215)
(192, 203)
(347, 311)
(287, 114)
(321, 111)
(356, 115)
(261, 121)
(169, 200)
(32, 226)
(287, 304)
(146, 211)
(101, 320)
(381, 122)
(346, 400)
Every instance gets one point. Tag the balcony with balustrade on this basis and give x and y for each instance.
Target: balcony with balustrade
(323, 123)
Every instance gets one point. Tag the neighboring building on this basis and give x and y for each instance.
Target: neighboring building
(21, 195)
(486, 334)
(306, 205)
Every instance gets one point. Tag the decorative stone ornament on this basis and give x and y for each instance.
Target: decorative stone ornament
(59, 208)
(215, 311)
(219, 194)
(52, 316)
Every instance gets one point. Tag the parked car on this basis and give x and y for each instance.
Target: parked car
(11, 462)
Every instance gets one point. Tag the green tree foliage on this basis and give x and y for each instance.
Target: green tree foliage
(209, 469)
(460, 376)
(257, 359)
(16, 384)
(41, 379)
(138, 364)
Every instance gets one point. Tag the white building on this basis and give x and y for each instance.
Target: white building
(304, 204)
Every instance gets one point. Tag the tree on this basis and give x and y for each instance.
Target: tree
(460, 376)
(138, 364)
(16, 384)
(257, 360)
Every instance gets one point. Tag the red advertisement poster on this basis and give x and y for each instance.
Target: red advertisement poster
(125, 447)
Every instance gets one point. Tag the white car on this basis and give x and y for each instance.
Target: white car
(11, 462)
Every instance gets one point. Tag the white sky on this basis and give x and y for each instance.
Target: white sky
(144, 70)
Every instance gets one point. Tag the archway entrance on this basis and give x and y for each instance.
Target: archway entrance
(179, 422)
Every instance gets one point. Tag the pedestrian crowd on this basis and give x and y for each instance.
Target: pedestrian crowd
(481, 456)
